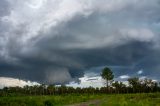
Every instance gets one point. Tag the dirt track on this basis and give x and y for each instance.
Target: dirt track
(89, 103)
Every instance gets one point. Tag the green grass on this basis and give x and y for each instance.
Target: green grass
(45, 100)
(105, 100)
(131, 100)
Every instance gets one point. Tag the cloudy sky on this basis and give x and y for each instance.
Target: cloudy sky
(60, 41)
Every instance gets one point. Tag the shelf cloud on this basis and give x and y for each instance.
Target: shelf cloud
(56, 41)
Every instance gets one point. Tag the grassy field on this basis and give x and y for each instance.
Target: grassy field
(75, 100)
(131, 100)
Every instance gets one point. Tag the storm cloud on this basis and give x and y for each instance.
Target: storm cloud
(57, 41)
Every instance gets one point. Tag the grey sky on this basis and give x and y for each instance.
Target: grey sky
(57, 41)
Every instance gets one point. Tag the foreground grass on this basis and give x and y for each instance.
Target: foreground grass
(105, 100)
(131, 100)
(46, 100)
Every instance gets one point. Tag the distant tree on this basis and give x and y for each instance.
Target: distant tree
(149, 85)
(135, 83)
(119, 86)
(42, 89)
(107, 75)
(51, 89)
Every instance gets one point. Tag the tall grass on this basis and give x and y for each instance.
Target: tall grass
(132, 100)
(46, 100)
(152, 99)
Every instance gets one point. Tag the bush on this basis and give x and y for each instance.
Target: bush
(48, 103)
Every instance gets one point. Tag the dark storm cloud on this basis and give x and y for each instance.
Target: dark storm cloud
(49, 41)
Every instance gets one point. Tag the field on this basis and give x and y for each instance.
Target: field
(152, 99)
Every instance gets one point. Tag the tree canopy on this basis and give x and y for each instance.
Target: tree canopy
(107, 74)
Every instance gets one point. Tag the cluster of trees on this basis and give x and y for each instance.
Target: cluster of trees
(135, 85)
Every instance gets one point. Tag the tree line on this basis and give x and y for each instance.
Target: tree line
(135, 85)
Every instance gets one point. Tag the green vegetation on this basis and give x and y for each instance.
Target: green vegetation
(59, 100)
(107, 74)
(150, 99)
(132, 100)
(139, 92)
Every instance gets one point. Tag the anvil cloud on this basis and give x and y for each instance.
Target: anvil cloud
(57, 41)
